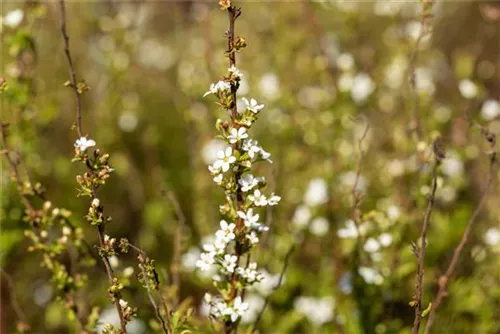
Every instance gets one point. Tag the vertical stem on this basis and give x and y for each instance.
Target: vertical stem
(443, 280)
(232, 15)
(420, 252)
(72, 71)
(101, 228)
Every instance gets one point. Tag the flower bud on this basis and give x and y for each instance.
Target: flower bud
(96, 202)
(47, 205)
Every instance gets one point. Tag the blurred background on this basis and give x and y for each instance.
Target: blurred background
(324, 70)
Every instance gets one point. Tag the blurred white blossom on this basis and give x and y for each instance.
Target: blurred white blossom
(370, 275)
(362, 87)
(269, 86)
(318, 310)
(316, 193)
(468, 89)
(319, 226)
(492, 237)
(490, 110)
(301, 216)
(13, 18)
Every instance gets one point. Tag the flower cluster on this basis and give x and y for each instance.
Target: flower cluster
(220, 309)
(240, 228)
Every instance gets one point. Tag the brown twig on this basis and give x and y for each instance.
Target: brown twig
(444, 279)
(15, 305)
(15, 171)
(233, 13)
(72, 71)
(165, 325)
(176, 259)
(356, 195)
(424, 31)
(276, 287)
(420, 251)
(101, 228)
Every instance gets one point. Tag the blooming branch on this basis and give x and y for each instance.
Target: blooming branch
(240, 229)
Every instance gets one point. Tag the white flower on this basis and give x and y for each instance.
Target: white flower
(349, 178)
(83, 143)
(252, 237)
(424, 80)
(255, 304)
(66, 230)
(217, 247)
(213, 170)
(237, 135)
(210, 149)
(96, 202)
(393, 212)
(13, 18)
(258, 199)
(218, 179)
(252, 147)
(250, 274)
(253, 106)
(371, 245)
(370, 275)
(229, 263)
(492, 237)
(239, 307)
(319, 226)
(225, 159)
(316, 193)
(273, 200)
(385, 239)
(109, 240)
(206, 260)
(218, 87)
(269, 86)
(265, 155)
(452, 167)
(362, 87)
(345, 82)
(350, 231)
(301, 216)
(123, 303)
(247, 182)
(318, 311)
(127, 272)
(268, 283)
(468, 89)
(113, 261)
(226, 233)
(235, 72)
(345, 61)
(189, 258)
(249, 218)
(490, 110)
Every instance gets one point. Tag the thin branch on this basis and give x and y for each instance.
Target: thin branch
(176, 260)
(425, 29)
(101, 228)
(15, 171)
(444, 279)
(72, 71)
(13, 298)
(276, 287)
(142, 258)
(356, 195)
(420, 251)
(233, 13)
